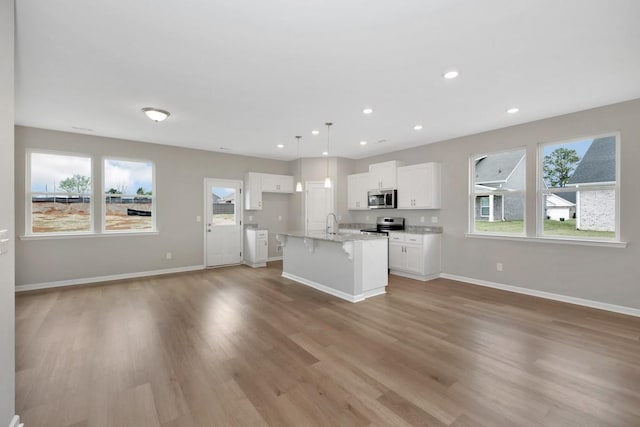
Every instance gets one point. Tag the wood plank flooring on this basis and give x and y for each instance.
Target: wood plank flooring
(245, 347)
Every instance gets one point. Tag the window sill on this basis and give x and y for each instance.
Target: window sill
(88, 235)
(553, 240)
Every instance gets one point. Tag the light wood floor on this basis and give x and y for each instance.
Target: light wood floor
(244, 347)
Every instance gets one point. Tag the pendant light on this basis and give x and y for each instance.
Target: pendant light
(299, 183)
(327, 180)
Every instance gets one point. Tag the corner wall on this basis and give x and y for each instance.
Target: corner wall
(602, 274)
(180, 174)
(7, 260)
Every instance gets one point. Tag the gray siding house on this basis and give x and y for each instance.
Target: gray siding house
(500, 171)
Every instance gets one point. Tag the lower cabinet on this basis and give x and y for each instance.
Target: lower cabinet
(256, 247)
(415, 255)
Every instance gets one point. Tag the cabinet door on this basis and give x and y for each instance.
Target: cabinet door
(285, 184)
(382, 175)
(253, 191)
(262, 250)
(406, 187)
(414, 258)
(269, 182)
(352, 188)
(426, 181)
(357, 187)
(396, 256)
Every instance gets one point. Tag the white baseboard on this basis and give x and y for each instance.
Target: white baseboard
(548, 295)
(15, 422)
(255, 264)
(87, 280)
(274, 258)
(415, 276)
(327, 290)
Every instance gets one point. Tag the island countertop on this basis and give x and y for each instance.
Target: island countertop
(339, 237)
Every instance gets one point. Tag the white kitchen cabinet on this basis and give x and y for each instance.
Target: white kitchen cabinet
(357, 187)
(419, 186)
(256, 183)
(415, 255)
(272, 183)
(256, 247)
(382, 176)
(253, 191)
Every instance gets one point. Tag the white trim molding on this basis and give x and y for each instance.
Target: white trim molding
(630, 311)
(274, 258)
(336, 293)
(98, 279)
(15, 422)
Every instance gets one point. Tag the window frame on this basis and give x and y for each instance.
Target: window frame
(29, 195)
(471, 212)
(541, 190)
(154, 224)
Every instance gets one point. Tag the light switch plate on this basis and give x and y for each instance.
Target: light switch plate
(4, 241)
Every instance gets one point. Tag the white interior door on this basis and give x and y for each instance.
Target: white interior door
(223, 232)
(318, 204)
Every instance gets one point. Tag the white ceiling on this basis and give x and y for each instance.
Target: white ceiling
(249, 74)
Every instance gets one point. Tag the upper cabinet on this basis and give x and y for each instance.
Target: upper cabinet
(419, 186)
(357, 187)
(382, 176)
(257, 183)
(277, 183)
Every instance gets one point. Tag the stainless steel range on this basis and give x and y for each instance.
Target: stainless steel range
(384, 224)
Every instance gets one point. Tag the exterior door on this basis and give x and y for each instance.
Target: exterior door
(318, 204)
(223, 232)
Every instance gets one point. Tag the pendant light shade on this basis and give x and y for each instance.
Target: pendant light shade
(299, 183)
(327, 180)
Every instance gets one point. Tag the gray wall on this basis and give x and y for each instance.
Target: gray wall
(7, 282)
(180, 174)
(608, 275)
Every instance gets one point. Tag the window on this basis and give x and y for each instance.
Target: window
(578, 192)
(59, 199)
(128, 196)
(497, 194)
(224, 206)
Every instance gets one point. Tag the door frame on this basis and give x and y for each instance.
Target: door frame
(306, 201)
(240, 210)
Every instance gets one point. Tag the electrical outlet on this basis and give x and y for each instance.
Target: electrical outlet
(434, 219)
(421, 219)
(250, 217)
(279, 217)
(169, 255)
(198, 218)
(499, 266)
(367, 219)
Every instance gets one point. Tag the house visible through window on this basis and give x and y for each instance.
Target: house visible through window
(60, 196)
(578, 191)
(498, 192)
(128, 196)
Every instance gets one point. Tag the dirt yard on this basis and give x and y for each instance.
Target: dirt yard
(61, 218)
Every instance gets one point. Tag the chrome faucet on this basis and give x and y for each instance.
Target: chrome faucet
(332, 229)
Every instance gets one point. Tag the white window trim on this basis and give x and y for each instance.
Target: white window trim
(541, 189)
(471, 212)
(103, 195)
(28, 232)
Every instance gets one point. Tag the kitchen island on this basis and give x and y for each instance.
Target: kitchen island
(349, 266)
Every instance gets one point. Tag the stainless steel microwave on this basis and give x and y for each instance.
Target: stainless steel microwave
(382, 199)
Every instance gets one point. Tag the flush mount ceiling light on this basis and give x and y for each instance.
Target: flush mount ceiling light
(299, 183)
(315, 132)
(327, 179)
(156, 114)
(367, 111)
(513, 110)
(280, 145)
(325, 153)
(417, 127)
(449, 75)
(363, 142)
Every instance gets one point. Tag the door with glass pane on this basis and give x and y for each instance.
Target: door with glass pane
(223, 231)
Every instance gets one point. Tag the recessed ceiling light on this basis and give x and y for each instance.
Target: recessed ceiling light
(324, 153)
(513, 110)
(450, 74)
(363, 142)
(417, 127)
(280, 145)
(156, 114)
(367, 111)
(315, 132)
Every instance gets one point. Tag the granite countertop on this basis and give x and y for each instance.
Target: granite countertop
(340, 237)
(413, 229)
